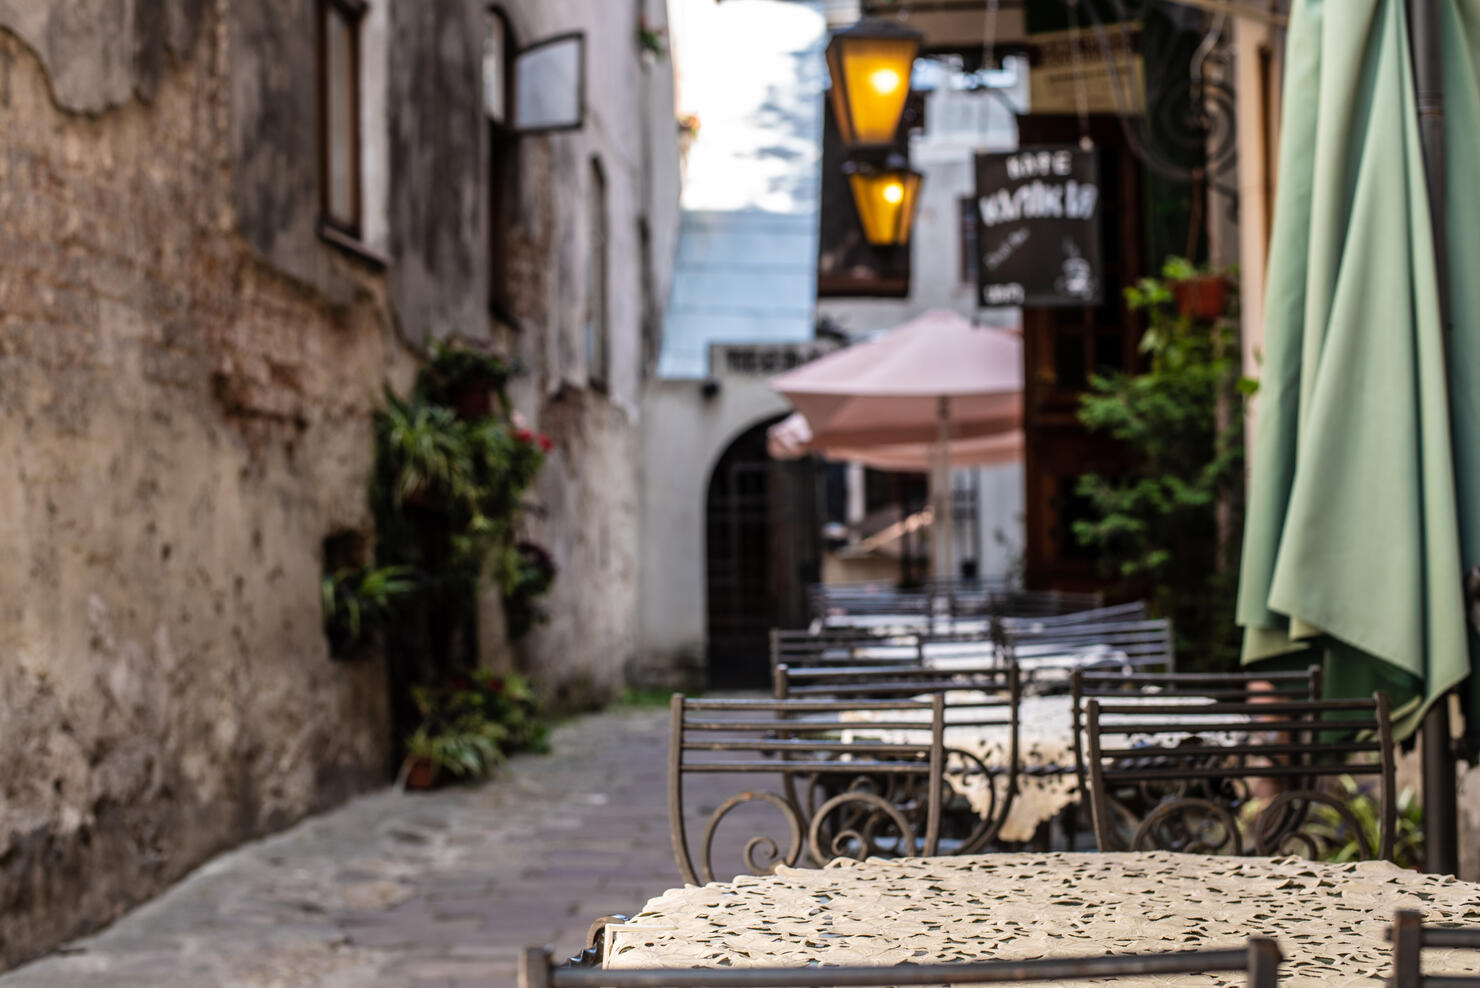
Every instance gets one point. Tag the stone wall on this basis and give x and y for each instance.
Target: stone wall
(181, 426)
(186, 376)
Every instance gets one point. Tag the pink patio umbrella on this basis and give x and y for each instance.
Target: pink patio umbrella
(939, 379)
(791, 439)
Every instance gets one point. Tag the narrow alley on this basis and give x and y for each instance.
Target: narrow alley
(412, 890)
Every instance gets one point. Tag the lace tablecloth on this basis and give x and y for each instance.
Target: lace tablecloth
(1045, 744)
(1329, 920)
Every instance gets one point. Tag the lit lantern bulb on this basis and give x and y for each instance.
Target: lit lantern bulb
(884, 81)
(894, 193)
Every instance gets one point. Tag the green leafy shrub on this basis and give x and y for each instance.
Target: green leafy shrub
(1337, 832)
(533, 575)
(358, 603)
(469, 381)
(1158, 525)
(470, 725)
(452, 472)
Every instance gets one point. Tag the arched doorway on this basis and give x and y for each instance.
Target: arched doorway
(762, 534)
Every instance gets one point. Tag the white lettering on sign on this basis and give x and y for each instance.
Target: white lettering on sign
(1080, 199)
(1031, 163)
(1039, 200)
(1006, 249)
(1009, 294)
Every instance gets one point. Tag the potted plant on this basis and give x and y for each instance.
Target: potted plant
(457, 738)
(1202, 295)
(358, 603)
(533, 574)
(424, 452)
(465, 379)
(652, 39)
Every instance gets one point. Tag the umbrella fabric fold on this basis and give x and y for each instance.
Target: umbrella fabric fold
(791, 439)
(1355, 540)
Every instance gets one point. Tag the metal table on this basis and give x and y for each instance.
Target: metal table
(1329, 919)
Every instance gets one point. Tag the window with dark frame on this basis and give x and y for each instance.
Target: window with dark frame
(339, 115)
(498, 91)
(598, 329)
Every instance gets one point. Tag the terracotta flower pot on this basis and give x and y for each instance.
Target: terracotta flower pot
(419, 772)
(1204, 297)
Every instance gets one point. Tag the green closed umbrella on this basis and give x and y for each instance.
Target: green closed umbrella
(1364, 490)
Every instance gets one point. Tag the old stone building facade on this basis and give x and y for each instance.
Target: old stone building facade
(189, 357)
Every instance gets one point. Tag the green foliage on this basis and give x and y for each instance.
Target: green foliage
(533, 574)
(631, 697)
(470, 725)
(452, 471)
(448, 492)
(358, 603)
(1158, 525)
(455, 371)
(421, 451)
(1365, 807)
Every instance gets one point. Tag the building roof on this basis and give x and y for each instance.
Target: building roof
(746, 271)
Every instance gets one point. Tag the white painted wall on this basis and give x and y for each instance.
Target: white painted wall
(684, 435)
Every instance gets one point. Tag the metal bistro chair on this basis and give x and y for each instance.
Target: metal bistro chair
(844, 646)
(1199, 780)
(1118, 645)
(1410, 937)
(878, 790)
(1085, 684)
(996, 706)
(1259, 959)
(1113, 614)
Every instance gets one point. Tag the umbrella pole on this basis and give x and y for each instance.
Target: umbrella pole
(944, 504)
(1440, 817)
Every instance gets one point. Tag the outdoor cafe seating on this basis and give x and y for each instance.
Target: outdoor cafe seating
(890, 785)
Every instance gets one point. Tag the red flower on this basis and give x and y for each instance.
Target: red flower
(524, 435)
(545, 443)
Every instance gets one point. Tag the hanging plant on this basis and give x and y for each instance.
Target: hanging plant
(469, 381)
(1201, 295)
(359, 603)
(652, 39)
(533, 573)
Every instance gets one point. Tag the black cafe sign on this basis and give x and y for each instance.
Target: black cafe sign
(1038, 227)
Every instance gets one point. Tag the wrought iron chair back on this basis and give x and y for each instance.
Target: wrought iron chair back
(1117, 645)
(1114, 614)
(878, 797)
(985, 697)
(945, 599)
(1410, 936)
(1200, 780)
(1265, 687)
(1260, 959)
(844, 646)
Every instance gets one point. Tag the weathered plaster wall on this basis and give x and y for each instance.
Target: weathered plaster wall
(186, 375)
(588, 497)
(439, 212)
(181, 426)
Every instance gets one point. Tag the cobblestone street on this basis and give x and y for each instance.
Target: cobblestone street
(412, 891)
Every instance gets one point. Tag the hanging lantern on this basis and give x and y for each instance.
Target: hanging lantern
(886, 198)
(870, 65)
